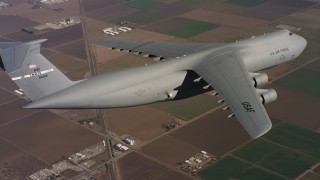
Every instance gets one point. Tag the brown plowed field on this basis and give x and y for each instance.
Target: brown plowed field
(295, 107)
(75, 49)
(56, 37)
(270, 11)
(48, 136)
(135, 166)
(167, 1)
(5, 96)
(141, 122)
(220, 34)
(66, 63)
(214, 133)
(113, 12)
(13, 23)
(79, 74)
(21, 167)
(47, 52)
(314, 65)
(7, 83)
(90, 5)
(8, 152)
(224, 19)
(170, 150)
(12, 111)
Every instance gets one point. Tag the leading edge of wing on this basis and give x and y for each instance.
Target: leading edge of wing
(160, 49)
(227, 74)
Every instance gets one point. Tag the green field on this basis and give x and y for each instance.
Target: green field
(141, 4)
(304, 80)
(190, 108)
(192, 29)
(143, 17)
(287, 150)
(288, 163)
(296, 138)
(256, 151)
(232, 168)
(276, 158)
(249, 3)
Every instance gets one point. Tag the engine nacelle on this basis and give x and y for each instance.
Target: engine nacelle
(259, 79)
(267, 96)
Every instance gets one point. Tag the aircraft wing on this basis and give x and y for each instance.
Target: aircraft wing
(159, 49)
(227, 74)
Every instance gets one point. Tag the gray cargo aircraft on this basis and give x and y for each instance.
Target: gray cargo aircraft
(187, 69)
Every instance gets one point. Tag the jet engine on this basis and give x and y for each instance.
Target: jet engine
(267, 95)
(259, 79)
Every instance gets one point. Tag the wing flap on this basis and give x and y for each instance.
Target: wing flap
(227, 74)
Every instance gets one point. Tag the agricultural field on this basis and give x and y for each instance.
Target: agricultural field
(213, 132)
(41, 16)
(249, 3)
(142, 122)
(295, 101)
(310, 176)
(233, 168)
(55, 38)
(190, 108)
(217, 35)
(225, 19)
(66, 63)
(314, 65)
(141, 4)
(175, 151)
(37, 129)
(285, 152)
(76, 49)
(303, 80)
(136, 166)
(296, 138)
(142, 18)
(168, 24)
(192, 29)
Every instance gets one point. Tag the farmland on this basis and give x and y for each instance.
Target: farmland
(304, 80)
(247, 2)
(285, 152)
(185, 109)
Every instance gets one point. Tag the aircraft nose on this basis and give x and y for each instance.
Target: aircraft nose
(302, 42)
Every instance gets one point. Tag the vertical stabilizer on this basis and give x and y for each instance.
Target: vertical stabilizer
(30, 70)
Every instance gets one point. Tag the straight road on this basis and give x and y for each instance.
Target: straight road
(101, 116)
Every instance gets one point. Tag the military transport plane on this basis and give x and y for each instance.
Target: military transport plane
(187, 69)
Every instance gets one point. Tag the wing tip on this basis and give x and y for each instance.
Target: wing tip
(257, 132)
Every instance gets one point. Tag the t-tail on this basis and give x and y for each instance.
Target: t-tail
(30, 70)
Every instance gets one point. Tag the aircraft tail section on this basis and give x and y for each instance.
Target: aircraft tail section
(30, 70)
